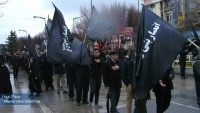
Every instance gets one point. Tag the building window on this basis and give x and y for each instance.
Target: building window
(169, 17)
(168, 3)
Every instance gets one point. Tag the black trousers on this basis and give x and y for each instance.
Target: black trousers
(162, 100)
(114, 98)
(71, 83)
(182, 67)
(95, 85)
(82, 89)
(15, 72)
(140, 106)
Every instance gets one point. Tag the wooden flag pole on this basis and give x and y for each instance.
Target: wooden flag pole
(193, 43)
(84, 39)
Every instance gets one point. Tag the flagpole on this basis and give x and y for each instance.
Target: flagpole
(193, 43)
(84, 38)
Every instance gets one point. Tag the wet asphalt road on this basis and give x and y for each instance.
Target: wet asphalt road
(183, 99)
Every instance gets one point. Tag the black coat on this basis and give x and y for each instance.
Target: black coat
(15, 62)
(5, 84)
(126, 77)
(112, 78)
(34, 78)
(166, 80)
(95, 69)
(82, 71)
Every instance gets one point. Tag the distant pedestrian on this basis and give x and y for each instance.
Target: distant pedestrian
(15, 64)
(163, 89)
(182, 61)
(122, 52)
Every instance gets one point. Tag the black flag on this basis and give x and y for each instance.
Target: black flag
(31, 48)
(62, 47)
(98, 25)
(158, 45)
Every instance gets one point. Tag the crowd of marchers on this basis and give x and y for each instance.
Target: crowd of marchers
(113, 67)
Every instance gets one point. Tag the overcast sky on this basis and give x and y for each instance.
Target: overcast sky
(18, 14)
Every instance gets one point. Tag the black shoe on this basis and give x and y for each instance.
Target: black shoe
(184, 77)
(78, 104)
(71, 99)
(85, 102)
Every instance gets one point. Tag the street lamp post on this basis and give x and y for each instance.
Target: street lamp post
(23, 31)
(91, 5)
(44, 22)
(74, 20)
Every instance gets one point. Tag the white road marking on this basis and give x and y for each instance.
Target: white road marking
(44, 108)
(191, 107)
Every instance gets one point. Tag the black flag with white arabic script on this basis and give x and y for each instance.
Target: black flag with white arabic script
(31, 48)
(62, 47)
(158, 45)
(98, 26)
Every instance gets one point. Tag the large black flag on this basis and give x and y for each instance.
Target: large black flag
(98, 26)
(158, 45)
(62, 47)
(31, 48)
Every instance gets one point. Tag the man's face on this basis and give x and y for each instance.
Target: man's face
(96, 53)
(114, 57)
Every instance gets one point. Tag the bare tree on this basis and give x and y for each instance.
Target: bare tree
(118, 14)
(1, 4)
(21, 41)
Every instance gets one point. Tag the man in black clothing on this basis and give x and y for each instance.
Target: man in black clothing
(182, 61)
(95, 76)
(122, 52)
(163, 89)
(15, 64)
(112, 79)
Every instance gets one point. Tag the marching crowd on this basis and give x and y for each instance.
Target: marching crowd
(113, 68)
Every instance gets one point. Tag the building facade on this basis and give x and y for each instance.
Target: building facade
(177, 12)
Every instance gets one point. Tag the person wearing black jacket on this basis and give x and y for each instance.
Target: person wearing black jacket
(95, 76)
(34, 82)
(162, 90)
(5, 84)
(182, 61)
(112, 79)
(15, 63)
